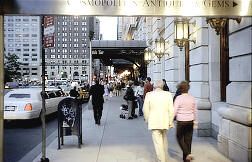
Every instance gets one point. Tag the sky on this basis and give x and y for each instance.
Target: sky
(108, 27)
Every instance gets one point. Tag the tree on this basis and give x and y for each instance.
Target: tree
(11, 66)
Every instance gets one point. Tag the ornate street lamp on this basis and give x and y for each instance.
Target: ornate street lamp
(181, 27)
(147, 55)
(218, 23)
(160, 48)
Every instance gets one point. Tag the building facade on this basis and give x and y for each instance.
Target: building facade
(22, 36)
(69, 58)
(224, 106)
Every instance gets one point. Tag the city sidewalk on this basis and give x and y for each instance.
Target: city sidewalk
(121, 140)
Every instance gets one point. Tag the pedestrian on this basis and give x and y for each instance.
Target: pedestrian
(165, 87)
(158, 113)
(74, 93)
(177, 93)
(130, 98)
(147, 86)
(185, 111)
(97, 91)
(139, 95)
(106, 91)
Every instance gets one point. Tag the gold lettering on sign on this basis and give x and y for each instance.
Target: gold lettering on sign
(103, 3)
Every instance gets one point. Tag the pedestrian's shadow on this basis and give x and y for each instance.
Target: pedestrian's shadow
(174, 154)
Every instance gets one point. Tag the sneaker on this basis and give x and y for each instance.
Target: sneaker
(189, 157)
(130, 118)
(135, 116)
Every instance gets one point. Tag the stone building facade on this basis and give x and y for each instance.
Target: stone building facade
(227, 118)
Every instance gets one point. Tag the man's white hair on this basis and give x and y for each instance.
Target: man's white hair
(159, 84)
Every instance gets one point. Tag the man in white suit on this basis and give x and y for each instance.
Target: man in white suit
(158, 113)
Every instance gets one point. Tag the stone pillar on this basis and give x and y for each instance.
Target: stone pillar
(234, 138)
(199, 75)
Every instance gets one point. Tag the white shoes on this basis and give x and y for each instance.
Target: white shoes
(190, 157)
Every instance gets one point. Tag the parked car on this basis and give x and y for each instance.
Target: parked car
(26, 103)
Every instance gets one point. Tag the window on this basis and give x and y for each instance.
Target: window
(20, 96)
(53, 56)
(34, 35)
(34, 59)
(24, 35)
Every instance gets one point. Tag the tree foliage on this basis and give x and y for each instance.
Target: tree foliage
(11, 66)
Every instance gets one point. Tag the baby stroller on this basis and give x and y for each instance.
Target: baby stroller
(124, 111)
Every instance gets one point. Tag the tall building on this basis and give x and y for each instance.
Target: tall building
(69, 58)
(22, 37)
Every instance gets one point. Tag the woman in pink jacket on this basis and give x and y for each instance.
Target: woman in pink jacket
(185, 111)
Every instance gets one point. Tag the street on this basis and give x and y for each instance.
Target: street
(20, 137)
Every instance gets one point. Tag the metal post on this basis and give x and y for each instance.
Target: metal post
(90, 62)
(43, 159)
(1, 86)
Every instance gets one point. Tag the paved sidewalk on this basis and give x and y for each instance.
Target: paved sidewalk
(121, 140)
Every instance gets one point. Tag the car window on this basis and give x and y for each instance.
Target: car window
(58, 94)
(51, 94)
(17, 95)
(46, 95)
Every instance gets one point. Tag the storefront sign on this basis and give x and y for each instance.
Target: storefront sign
(49, 31)
(130, 7)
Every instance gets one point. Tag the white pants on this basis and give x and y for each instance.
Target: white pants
(159, 138)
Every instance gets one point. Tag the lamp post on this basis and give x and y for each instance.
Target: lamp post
(160, 48)
(181, 27)
(91, 36)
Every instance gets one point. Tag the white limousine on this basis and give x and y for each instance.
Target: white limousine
(27, 103)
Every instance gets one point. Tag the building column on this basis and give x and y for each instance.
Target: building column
(1, 86)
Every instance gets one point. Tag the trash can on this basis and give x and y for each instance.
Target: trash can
(69, 120)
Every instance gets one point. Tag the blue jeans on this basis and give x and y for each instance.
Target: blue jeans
(140, 103)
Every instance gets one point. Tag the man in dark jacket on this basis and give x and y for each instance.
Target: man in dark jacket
(130, 100)
(97, 91)
(74, 93)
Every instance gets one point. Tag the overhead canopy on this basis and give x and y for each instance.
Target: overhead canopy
(118, 52)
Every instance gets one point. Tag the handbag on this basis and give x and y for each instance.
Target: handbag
(125, 97)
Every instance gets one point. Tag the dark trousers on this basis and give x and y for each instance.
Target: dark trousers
(97, 109)
(184, 136)
(133, 112)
